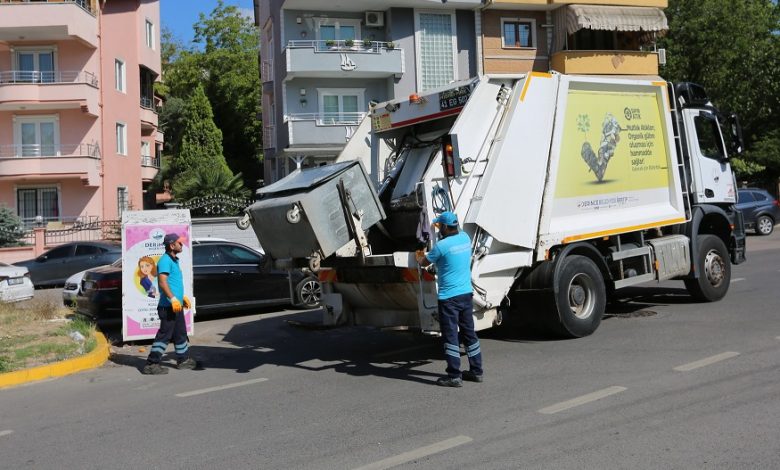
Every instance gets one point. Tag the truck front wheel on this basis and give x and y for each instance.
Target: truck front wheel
(580, 297)
(714, 269)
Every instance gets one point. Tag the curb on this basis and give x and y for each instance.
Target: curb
(94, 359)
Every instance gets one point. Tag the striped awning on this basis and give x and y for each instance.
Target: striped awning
(614, 18)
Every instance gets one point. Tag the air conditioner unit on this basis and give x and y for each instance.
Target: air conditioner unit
(375, 19)
(662, 56)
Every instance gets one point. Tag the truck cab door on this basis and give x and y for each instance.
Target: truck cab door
(713, 180)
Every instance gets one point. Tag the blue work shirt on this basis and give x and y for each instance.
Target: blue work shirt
(452, 257)
(169, 265)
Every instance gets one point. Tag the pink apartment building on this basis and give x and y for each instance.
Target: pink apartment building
(78, 121)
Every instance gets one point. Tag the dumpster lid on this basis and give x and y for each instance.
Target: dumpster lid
(306, 178)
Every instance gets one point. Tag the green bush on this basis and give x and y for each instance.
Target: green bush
(11, 230)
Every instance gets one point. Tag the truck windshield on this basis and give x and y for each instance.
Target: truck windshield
(708, 135)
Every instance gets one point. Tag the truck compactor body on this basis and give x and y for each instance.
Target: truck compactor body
(570, 187)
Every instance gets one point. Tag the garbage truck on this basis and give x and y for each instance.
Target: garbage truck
(570, 188)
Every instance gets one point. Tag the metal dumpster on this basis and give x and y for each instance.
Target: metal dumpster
(302, 215)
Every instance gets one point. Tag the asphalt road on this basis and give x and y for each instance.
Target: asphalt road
(663, 383)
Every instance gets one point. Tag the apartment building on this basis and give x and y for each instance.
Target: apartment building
(79, 136)
(322, 63)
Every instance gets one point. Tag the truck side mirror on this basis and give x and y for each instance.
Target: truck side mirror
(735, 134)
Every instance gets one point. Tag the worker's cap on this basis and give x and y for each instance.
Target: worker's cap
(172, 238)
(447, 218)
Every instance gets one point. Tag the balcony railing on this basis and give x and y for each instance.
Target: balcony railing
(86, 5)
(266, 71)
(329, 119)
(33, 76)
(150, 161)
(269, 137)
(147, 103)
(373, 47)
(44, 150)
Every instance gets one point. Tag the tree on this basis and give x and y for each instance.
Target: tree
(732, 48)
(201, 146)
(226, 65)
(11, 230)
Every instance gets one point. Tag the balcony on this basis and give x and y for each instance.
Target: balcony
(49, 21)
(32, 90)
(605, 62)
(266, 71)
(323, 128)
(149, 118)
(269, 137)
(29, 163)
(150, 166)
(340, 59)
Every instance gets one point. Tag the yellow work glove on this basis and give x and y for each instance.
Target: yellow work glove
(187, 303)
(175, 305)
(419, 255)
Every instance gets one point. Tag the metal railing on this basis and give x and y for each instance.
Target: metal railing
(86, 5)
(329, 119)
(266, 71)
(85, 230)
(148, 103)
(341, 45)
(44, 150)
(27, 77)
(147, 160)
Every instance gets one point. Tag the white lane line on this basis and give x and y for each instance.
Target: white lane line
(706, 361)
(738, 279)
(417, 453)
(6, 432)
(220, 387)
(597, 395)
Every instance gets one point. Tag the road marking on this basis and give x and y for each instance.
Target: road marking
(738, 279)
(6, 432)
(597, 395)
(220, 387)
(417, 453)
(706, 361)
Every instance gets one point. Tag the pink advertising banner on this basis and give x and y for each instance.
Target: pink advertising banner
(142, 247)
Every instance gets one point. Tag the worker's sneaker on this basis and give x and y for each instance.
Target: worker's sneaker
(153, 368)
(471, 376)
(450, 382)
(187, 364)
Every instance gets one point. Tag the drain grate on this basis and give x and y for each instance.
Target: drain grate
(634, 314)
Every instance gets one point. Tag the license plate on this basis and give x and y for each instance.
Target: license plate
(454, 98)
(15, 281)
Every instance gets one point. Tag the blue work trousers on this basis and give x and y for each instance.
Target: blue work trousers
(457, 325)
(172, 326)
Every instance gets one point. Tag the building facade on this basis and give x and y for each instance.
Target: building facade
(79, 136)
(321, 65)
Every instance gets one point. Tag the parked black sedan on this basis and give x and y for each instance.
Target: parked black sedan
(55, 266)
(227, 276)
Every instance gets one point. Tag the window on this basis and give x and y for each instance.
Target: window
(121, 138)
(43, 201)
(149, 34)
(122, 199)
(708, 134)
(119, 75)
(435, 39)
(87, 250)
(237, 255)
(760, 197)
(333, 29)
(205, 255)
(60, 252)
(36, 136)
(340, 105)
(518, 32)
(34, 65)
(746, 196)
(146, 154)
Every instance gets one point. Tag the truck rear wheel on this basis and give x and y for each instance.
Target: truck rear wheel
(580, 297)
(714, 268)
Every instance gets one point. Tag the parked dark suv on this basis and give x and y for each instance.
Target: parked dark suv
(760, 210)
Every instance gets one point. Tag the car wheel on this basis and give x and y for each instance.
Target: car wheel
(765, 225)
(308, 293)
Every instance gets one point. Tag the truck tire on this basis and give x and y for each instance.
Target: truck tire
(308, 293)
(765, 225)
(580, 297)
(714, 268)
